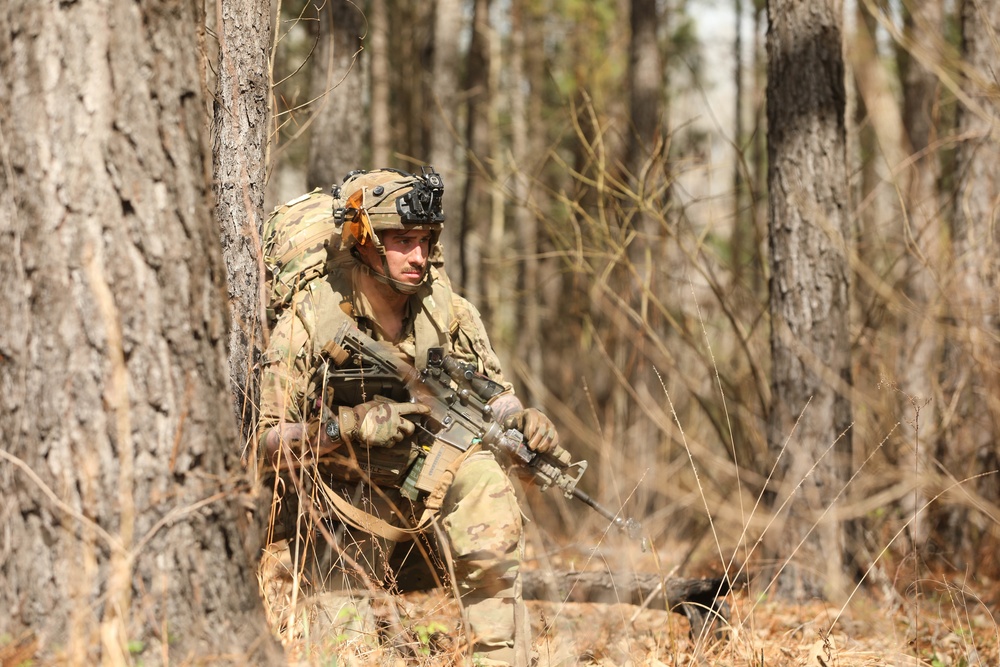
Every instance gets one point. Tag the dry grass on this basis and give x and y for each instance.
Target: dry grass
(767, 633)
(939, 619)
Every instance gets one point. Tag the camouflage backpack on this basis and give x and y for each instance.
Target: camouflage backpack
(296, 241)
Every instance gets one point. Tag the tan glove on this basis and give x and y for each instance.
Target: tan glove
(379, 423)
(538, 430)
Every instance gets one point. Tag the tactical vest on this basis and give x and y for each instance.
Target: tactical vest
(329, 305)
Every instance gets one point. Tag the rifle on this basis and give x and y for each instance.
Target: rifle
(460, 415)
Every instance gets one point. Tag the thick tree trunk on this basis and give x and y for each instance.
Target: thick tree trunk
(810, 341)
(119, 469)
(972, 447)
(339, 122)
(242, 109)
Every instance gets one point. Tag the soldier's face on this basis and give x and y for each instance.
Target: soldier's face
(406, 253)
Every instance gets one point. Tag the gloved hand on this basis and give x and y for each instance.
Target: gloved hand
(538, 430)
(379, 423)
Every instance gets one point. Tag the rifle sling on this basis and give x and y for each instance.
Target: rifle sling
(357, 518)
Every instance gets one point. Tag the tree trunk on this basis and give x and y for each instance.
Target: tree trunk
(742, 235)
(337, 87)
(476, 200)
(645, 109)
(120, 470)
(409, 29)
(646, 251)
(972, 447)
(242, 105)
(525, 67)
(445, 119)
(920, 238)
(381, 123)
(810, 342)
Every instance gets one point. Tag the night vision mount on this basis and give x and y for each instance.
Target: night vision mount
(423, 202)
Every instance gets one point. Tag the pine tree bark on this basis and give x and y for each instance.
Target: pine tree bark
(240, 126)
(119, 470)
(810, 342)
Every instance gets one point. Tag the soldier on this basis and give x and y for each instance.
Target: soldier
(385, 277)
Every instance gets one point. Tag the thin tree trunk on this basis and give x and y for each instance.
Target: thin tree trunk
(810, 341)
(741, 222)
(446, 122)
(919, 363)
(646, 251)
(337, 139)
(524, 130)
(499, 279)
(242, 105)
(381, 124)
(476, 201)
(402, 81)
(759, 209)
(119, 470)
(645, 113)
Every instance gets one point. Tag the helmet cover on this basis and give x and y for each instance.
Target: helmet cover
(372, 201)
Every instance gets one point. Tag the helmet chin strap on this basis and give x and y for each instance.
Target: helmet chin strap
(402, 288)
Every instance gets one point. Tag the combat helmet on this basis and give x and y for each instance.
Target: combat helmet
(369, 202)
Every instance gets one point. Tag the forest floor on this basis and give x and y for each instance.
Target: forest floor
(941, 622)
(911, 610)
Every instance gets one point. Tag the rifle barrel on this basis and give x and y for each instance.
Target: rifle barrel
(632, 527)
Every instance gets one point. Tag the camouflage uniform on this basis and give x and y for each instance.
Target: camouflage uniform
(479, 524)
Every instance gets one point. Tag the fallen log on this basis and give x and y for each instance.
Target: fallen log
(697, 599)
(700, 600)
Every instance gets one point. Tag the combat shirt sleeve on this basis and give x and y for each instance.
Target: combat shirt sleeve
(471, 344)
(285, 372)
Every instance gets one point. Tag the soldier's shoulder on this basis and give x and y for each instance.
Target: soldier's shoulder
(464, 310)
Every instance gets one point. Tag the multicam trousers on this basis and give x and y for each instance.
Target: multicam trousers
(479, 535)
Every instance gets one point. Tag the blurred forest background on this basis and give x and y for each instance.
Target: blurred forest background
(606, 165)
(745, 254)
